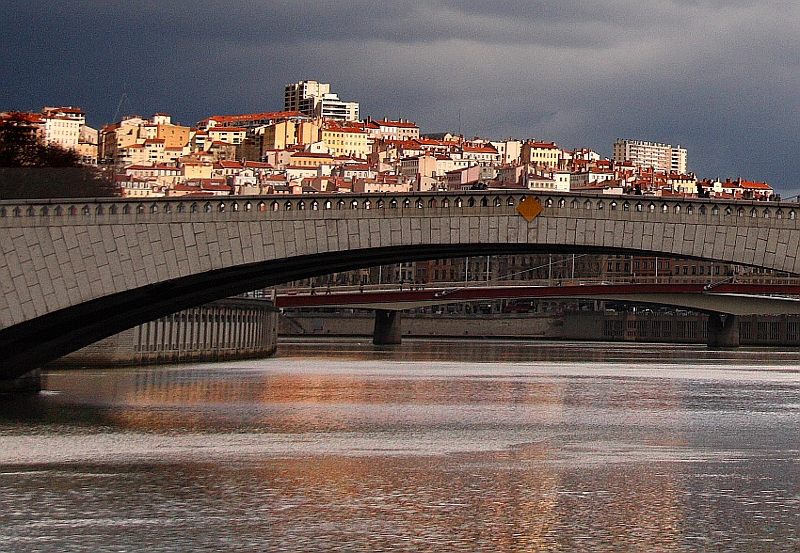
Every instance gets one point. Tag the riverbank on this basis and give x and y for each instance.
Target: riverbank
(229, 329)
(674, 327)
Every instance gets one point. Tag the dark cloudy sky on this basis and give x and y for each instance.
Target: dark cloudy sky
(718, 77)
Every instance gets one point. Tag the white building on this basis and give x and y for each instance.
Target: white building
(62, 126)
(483, 154)
(589, 178)
(396, 130)
(509, 150)
(651, 154)
(549, 181)
(315, 99)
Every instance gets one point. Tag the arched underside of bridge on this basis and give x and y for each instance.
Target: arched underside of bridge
(32, 343)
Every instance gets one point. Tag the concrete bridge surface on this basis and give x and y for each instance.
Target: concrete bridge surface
(73, 272)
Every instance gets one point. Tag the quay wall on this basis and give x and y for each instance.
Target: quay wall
(448, 326)
(756, 330)
(234, 328)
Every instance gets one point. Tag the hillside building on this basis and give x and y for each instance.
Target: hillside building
(315, 99)
(665, 157)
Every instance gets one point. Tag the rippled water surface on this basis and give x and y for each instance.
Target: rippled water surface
(429, 446)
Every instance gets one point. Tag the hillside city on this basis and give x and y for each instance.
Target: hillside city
(320, 144)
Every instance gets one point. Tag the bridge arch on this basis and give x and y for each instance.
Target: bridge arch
(74, 272)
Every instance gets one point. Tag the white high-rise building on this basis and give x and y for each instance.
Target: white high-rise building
(651, 154)
(316, 100)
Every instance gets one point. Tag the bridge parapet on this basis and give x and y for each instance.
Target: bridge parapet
(56, 212)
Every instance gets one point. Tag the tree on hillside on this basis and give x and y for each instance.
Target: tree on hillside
(31, 169)
(21, 146)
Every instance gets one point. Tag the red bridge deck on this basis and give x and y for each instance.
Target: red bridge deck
(434, 296)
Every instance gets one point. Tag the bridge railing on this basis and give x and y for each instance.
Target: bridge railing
(191, 208)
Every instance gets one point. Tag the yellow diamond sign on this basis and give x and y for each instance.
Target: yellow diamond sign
(529, 208)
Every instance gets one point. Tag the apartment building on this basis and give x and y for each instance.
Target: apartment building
(342, 139)
(540, 153)
(483, 154)
(395, 130)
(315, 99)
(660, 156)
(509, 150)
(280, 135)
(62, 126)
(88, 145)
(136, 140)
(228, 135)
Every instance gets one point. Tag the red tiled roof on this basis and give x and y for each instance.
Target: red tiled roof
(544, 145)
(20, 116)
(71, 110)
(226, 129)
(253, 116)
(312, 154)
(398, 124)
(257, 165)
(479, 149)
(755, 185)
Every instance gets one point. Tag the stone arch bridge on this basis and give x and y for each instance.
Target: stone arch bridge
(73, 272)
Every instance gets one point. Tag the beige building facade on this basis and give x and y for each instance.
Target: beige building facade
(541, 153)
(122, 143)
(345, 140)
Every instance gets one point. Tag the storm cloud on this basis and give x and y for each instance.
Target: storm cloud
(720, 78)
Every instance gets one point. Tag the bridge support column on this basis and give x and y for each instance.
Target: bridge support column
(723, 334)
(387, 328)
(28, 383)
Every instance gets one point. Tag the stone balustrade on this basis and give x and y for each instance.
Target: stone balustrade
(122, 210)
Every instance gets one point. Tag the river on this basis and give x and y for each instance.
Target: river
(338, 445)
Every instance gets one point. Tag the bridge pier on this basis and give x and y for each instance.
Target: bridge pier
(387, 328)
(723, 334)
(28, 383)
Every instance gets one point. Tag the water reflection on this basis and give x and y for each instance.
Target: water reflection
(441, 446)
